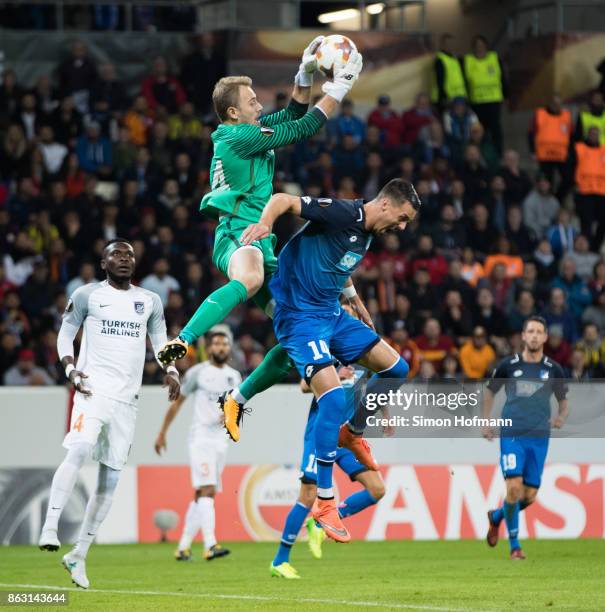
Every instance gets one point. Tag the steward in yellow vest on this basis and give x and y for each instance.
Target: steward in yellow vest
(448, 80)
(594, 116)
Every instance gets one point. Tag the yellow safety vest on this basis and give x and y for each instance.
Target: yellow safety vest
(454, 79)
(483, 78)
(589, 120)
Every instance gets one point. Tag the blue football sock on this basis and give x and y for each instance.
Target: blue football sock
(331, 410)
(294, 521)
(511, 516)
(355, 503)
(399, 370)
(498, 515)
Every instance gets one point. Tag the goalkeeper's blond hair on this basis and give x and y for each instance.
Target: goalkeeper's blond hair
(226, 94)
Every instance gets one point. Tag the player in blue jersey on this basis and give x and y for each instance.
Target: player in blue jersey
(310, 324)
(530, 379)
(372, 482)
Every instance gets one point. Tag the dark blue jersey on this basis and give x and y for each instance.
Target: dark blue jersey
(529, 388)
(317, 261)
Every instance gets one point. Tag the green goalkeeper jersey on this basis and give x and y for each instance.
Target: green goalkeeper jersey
(241, 172)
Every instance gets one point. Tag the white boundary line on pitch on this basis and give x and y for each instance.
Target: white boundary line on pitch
(365, 604)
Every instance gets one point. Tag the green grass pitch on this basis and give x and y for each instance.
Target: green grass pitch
(440, 576)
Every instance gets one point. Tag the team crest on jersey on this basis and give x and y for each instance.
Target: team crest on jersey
(544, 374)
(348, 261)
(139, 307)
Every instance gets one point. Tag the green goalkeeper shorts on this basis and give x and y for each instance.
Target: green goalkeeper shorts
(226, 242)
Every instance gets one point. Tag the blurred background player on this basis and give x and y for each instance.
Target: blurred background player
(530, 379)
(351, 377)
(239, 193)
(207, 441)
(117, 317)
(309, 323)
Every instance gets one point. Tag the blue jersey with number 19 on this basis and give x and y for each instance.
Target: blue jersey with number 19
(317, 261)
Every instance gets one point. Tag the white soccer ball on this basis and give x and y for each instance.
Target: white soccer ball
(333, 53)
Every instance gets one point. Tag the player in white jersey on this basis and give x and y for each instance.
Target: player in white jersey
(205, 382)
(116, 317)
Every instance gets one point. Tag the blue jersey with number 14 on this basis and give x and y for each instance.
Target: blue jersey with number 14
(317, 261)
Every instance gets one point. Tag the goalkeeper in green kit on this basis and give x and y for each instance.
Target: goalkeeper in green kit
(241, 176)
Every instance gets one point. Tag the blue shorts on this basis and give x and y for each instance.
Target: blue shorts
(524, 457)
(314, 339)
(345, 459)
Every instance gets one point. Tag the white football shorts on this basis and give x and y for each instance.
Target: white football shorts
(207, 456)
(105, 423)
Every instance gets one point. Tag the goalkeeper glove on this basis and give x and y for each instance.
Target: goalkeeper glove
(308, 65)
(344, 78)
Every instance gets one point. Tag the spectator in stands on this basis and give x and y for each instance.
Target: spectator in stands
(184, 125)
(87, 275)
(160, 148)
(374, 176)
(474, 174)
(14, 157)
(597, 282)
(388, 121)
(78, 76)
(28, 117)
(348, 157)
(145, 173)
(53, 153)
(472, 271)
(416, 121)
(556, 346)
(391, 251)
(589, 161)
(345, 123)
(455, 281)
(524, 307)
(161, 89)
(577, 371)
(433, 345)
(451, 369)
(458, 120)
(25, 372)
(517, 233)
(138, 121)
(13, 317)
(426, 258)
(400, 340)
(10, 95)
(160, 281)
(124, 153)
(202, 68)
(480, 234)
(448, 82)
(518, 183)
(545, 260)
(504, 253)
(577, 292)
(593, 116)
(423, 294)
(486, 85)
(94, 151)
(584, 259)
(558, 314)
(562, 235)
(593, 348)
(449, 234)
(38, 293)
(67, 122)
(549, 137)
(455, 317)
(108, 95)
(596, 313)
(498, 283)
(489, 155)
(458, 197)
(497, 202)
(476, 355)
(540, 207)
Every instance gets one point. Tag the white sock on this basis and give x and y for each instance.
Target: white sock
(205, 507)
(97, 509)
(238, 397)
(63, 483)
(191, 527)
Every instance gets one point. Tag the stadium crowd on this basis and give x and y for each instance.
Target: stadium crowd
(81, 162)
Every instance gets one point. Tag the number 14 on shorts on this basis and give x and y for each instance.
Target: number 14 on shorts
(322, 351)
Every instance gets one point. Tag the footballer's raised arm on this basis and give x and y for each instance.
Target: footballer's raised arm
(279, 204)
